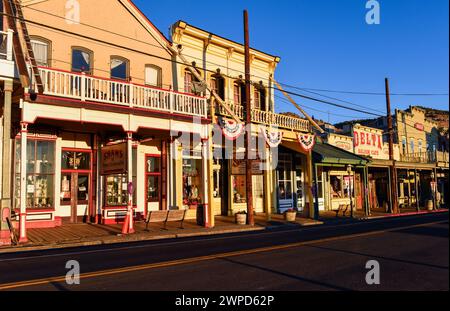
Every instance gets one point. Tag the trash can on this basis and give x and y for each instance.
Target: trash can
(201, 215)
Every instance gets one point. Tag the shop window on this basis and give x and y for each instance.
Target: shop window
(153, 178)
(320, 183)
(336, 183)
(117, 186)
(192, 182)
(119, 68)
(285, 186)
(40, 174)
(239, 189)
(82, 60)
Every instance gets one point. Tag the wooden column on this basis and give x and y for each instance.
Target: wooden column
(309, 170)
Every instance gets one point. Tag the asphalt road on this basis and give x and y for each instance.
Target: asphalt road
(413, 253)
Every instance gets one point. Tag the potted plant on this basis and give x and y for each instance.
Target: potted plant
(241, 218)
(290, 215)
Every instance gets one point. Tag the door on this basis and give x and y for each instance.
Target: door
(75, 195)
(258, 193)
(76, 173)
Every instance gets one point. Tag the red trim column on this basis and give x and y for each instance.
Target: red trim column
(23, 183)
(128, 225)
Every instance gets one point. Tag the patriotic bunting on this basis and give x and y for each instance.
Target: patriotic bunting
(307, 141)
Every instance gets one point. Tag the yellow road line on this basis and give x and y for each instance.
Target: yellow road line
(202, 258)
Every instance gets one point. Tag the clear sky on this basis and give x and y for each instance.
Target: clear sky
(327, 44)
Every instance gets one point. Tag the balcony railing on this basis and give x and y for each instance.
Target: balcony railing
(442, 157)
(88, 88)
(422, 157)
(269, 118)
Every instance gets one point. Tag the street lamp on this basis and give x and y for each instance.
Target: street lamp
(350, 189)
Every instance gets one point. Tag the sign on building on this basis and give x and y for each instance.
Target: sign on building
(114, 159)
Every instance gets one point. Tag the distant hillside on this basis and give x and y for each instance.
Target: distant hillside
(440, 116)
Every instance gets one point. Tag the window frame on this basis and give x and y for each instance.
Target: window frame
(49, 48)
(91, 59)
(158, 176)
(159, 70)
(127, 70)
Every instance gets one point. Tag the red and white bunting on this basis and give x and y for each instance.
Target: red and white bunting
(273, 139)
(231, 129)
(307, 141)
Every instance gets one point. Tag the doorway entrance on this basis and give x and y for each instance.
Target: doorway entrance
(76, 184)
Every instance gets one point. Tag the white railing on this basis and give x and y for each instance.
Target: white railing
(442, 156)
(94, 89)
(269, 118)
(6, 45)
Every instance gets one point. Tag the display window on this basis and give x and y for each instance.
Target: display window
(192, 182)
(239, 189)
(116, 186)
(40, 174)
(153, 178)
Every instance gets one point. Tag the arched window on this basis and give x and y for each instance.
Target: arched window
(120, 68)
(82, 60)
(153, 76)
(41, 49)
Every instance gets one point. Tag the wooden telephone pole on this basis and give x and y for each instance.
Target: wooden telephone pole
(248, 121)
(393, 173)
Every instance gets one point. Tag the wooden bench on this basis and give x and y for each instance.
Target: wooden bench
(165, 217)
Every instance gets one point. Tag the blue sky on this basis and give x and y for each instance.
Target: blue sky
(326, 44)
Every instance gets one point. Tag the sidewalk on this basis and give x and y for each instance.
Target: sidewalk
(327, 216)
(78, 235)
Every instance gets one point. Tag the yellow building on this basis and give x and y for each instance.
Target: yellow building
(282, 176)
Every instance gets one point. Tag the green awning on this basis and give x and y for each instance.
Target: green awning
(328, 154)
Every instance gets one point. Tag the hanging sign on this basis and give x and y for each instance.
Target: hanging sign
(273, 139)
(114, 159)
(307, 141)
(231, 129)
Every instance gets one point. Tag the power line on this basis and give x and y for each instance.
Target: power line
(365, 93)
(331, 104)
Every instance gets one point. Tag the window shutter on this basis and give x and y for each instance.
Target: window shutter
(152, 76)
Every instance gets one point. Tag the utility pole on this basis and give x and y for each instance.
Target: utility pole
(394, 185)
(248, 121)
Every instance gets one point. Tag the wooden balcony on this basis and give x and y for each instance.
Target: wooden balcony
(86, 88)
(269, 118)
(422, 157)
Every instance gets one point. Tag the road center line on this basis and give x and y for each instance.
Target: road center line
(204, 258)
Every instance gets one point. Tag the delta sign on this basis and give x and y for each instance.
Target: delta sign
(368, 141)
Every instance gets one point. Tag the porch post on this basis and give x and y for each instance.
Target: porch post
(6, 202)
(267, 185)
(23, 182)
(205, 176)
(309, 168)
(128, 227)
(417, 190)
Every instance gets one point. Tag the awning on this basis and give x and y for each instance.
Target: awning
(327, 154)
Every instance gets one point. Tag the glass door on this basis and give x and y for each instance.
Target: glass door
(76, 184)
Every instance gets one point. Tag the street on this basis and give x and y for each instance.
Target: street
(413, 253)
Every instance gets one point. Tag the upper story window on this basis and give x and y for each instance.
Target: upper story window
(404, 145)
(41, 50)
(153, 76)
(412, 145)
(218, 85)
(119, 68)
(420, 145)
(191, 83)
(82, 60)
(239, 97)
(259, 97)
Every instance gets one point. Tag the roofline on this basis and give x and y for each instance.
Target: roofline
(161, 34)
(184, 25)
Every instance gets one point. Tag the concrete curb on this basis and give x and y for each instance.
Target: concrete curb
(405, 214)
